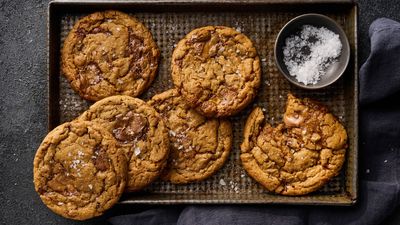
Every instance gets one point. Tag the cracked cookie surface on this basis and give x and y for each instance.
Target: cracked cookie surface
(78, 171)
(139, 131)
(109, 53)
(199, 146)
(298, 156)
(217, 70)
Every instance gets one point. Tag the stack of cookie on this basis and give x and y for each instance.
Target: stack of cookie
(182, 135)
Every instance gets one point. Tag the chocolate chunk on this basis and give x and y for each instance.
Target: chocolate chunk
(136, 45)
(129, 127)
(100, 159)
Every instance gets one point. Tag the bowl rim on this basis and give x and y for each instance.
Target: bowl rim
(287, 75)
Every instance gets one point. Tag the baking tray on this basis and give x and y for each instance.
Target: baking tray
(261, 21)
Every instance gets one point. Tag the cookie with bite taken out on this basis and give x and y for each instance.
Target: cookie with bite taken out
(299, 155)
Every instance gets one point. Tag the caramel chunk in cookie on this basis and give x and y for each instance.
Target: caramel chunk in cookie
(78, 171)
(139, 131)
(199, 146)
(109, 53)
(217, 70)
(298, 156)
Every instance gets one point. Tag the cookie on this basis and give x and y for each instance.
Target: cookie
(109, 53)
(78, 171)
(199, 146)
(217, 70)
(139, 131)
(298, 156)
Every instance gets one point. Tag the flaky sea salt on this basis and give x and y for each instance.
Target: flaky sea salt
(222, 182)
(136, 151)
(308, 54)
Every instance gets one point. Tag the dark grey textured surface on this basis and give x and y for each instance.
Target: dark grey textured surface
(23, 110)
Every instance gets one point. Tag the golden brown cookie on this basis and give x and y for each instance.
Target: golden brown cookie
(78, 171)
(199, 146)
(139, 131)
(298, 156)
(109, 53)
(217, 70)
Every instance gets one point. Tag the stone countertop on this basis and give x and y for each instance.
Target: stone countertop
(23, 105)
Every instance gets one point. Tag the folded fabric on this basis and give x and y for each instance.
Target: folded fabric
(379, 157)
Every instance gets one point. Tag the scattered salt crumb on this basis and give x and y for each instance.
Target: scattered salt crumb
(237, 51)
(385, 161)
(90, 186)
(174, 45)
(222, 182)
(308, 54)
(263, 60)
(367, 171)
(80, 154)
(267, 83)
(136, 151)
(280, 96)
(242, 175)
(172, 133)
(239, 29)
(263, 109)
(60, 203)
(75, 163)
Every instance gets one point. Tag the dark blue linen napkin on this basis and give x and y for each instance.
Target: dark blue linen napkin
(379, 157)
